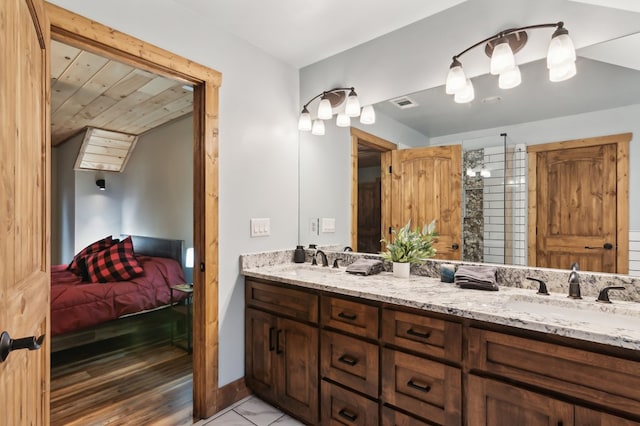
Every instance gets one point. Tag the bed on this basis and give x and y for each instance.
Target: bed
(78, 306)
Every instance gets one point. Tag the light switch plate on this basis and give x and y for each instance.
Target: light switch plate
(260, 227)
(328, 225)
(314, 225)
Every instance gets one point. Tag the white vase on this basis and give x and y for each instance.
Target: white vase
(401, 270)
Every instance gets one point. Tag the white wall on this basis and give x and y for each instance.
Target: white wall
(259, 101)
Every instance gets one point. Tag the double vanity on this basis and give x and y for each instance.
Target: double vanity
(330, 347)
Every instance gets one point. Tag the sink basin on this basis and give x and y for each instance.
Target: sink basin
(305, 269)
(621, 315)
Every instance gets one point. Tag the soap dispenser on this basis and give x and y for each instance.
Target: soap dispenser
(299, 255)
(574, 283)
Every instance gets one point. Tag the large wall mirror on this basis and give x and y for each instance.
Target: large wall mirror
(602, 99)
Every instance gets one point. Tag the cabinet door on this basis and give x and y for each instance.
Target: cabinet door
(498, 404)
(260, 330)
(296, 348)
(587, 417)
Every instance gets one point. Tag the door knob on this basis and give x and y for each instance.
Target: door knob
(455, 246)
(7, 344)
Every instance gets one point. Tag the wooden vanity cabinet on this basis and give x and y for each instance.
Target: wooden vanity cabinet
(281, 361)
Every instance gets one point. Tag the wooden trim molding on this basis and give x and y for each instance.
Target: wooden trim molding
(84, 33)
(233, 392)
(622, 208)
(361, 137)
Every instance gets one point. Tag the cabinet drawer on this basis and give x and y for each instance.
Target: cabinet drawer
(352, 317)
(608, 381)
(282, 300)
(426, 388)
(391, 417)
(422, 334)
(350, 362)
(342, 407)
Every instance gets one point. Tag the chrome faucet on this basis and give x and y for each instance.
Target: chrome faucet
(325, 261)
(574, 282)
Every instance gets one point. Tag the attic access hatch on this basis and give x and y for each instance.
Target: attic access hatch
(105, 150)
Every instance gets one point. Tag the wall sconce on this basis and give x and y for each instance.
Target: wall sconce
(331, 99)
(101, 184)
(501, 47)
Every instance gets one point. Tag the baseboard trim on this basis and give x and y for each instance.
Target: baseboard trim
(231, 393)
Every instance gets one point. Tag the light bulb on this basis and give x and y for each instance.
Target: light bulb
(343, 120)
(502, 57)
(465, 95)
(368, 115)
(562, 72)
(325, 111)
(352, 107)
(304, 122)
(456, 80)
(510, 79)
(318, 128)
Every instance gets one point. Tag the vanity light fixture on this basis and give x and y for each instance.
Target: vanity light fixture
(501, 47)
(331, 100)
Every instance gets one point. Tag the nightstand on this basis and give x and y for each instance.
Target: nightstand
(185, 310)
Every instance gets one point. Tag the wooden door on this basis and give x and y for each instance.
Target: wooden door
(369, 217)
(297, 374)
(576, 207)
(588, 417)
(497, 404)
(24, 208)
(426, 184)
(260, 371)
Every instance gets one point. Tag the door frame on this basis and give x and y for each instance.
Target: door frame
(622, 194)
(361, 137)
(78, 31)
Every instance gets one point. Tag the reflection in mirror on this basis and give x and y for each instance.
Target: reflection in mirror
(602, 99)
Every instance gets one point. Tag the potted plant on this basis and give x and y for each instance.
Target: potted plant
(410, 246)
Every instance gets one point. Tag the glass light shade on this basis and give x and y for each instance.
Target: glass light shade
(510, 79)
(189, 258)
(368, 115)
(325, 112)
(502, 58)
(561, 51)
(456, 80)
(318, 128)
(352, 107)
(343, 120)
(562, 72)
(465, 95)
(304, 122)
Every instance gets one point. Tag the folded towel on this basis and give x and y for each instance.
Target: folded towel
(476, 277)
(365, 267)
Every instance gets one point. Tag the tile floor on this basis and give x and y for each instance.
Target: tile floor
(250, 411)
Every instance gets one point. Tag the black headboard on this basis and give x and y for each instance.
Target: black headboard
(159, 247)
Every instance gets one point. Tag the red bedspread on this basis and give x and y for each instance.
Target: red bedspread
(76, 305)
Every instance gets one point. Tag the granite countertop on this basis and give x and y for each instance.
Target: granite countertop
(616, 324)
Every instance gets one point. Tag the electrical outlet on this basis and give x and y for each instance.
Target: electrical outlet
(260, 227)
(314, 226)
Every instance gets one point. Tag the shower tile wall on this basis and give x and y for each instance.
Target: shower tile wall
(634, 253)
(473, 222)
(494, 205)
(516, 206)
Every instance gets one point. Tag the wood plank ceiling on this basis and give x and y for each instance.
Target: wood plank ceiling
(88, 90)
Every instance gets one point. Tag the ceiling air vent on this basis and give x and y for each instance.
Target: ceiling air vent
(404, 102)
(105, 150)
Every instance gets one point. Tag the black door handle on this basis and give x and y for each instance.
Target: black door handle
(455, 246)
(606, 246)
(7, 344)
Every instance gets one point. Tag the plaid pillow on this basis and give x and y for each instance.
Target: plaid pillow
(117, 263)
(94, 247)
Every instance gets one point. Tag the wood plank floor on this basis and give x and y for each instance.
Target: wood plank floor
(122, 383)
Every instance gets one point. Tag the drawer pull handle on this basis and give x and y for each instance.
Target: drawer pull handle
(278, 350)
(348, 415)
(346, 359)
(422, 387)
(424, 335)
(271, 346)
(347, 316)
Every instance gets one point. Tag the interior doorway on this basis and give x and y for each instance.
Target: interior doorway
(367, 191)
(83, 33)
